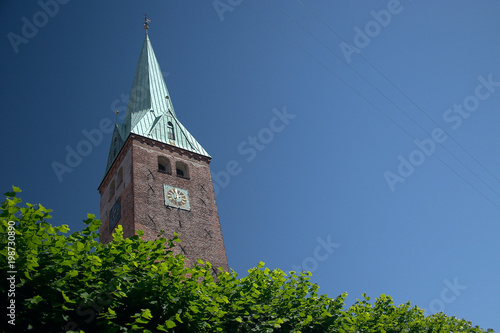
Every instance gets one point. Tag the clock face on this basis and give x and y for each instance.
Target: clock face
(176, 197)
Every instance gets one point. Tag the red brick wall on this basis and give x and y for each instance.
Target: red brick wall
(143, 200)
(124, 190)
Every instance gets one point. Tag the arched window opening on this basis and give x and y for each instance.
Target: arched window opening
(163, 164)
(182, 170)
(170, 131)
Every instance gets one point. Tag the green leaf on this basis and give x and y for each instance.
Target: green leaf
(161, 328)
(64, 228)
(170, 324)
(80, 247)
(146, 313)
(35, 300)
(66, 298)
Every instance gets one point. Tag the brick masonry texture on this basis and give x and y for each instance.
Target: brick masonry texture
(143, 199)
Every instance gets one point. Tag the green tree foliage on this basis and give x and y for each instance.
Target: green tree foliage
(71, 282)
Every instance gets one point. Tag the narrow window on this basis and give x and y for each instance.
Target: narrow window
(163, 164)
(115, 214)
(182, 170)
(120, 177)
(112, 189)
(170, 131)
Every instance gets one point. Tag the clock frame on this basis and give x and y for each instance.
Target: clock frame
(176, 197)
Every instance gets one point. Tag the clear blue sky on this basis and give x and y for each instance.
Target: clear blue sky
(327, 174)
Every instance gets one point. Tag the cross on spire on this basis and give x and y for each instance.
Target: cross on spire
(146, 23)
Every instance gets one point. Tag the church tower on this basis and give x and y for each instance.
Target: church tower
(157, 175)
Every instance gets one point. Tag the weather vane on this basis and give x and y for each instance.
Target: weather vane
(146, 23)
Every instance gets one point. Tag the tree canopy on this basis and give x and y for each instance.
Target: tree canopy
(70, 282)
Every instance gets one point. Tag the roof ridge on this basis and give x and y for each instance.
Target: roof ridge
(149, 96)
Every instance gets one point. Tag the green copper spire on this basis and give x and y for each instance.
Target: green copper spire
(150, 112)
(149, 91)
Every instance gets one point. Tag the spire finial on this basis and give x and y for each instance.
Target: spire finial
(146, 23)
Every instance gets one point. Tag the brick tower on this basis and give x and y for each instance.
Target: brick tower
(157, 175)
